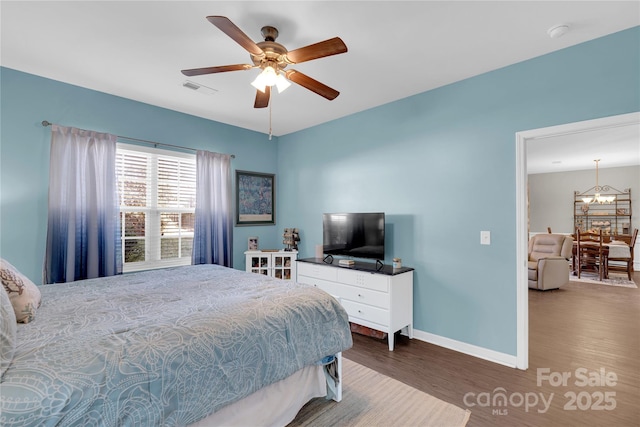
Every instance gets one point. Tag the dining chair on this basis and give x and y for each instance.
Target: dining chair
(621, 256)
(590, 253)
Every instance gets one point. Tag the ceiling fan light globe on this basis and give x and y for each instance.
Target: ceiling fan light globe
(282, 83)
(258, 83)
(269, 76)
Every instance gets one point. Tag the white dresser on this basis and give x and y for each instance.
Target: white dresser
(381, 300)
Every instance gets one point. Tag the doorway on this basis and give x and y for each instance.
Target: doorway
(522, 138)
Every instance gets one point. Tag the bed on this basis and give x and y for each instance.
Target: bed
(196, 345)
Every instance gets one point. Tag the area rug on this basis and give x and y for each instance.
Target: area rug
(372, 399)
(613, 280)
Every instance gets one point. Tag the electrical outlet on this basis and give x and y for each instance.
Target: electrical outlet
(485, 237)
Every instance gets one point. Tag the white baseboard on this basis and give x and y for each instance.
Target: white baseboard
(470, 349)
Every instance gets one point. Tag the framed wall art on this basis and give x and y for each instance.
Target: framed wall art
(255, 198)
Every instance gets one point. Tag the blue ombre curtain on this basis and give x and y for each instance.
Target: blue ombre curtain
(83, 232)
(213, 237)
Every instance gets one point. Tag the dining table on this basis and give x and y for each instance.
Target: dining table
(611, 249)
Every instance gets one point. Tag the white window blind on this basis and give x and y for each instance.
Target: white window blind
(157, 194)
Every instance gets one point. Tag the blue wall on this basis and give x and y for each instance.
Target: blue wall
(27, 100)
(441, 164)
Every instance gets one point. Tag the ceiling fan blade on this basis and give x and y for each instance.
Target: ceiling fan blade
(262, 98)
(312, 84)
(220, 69)
(230, 29)
(329, 47)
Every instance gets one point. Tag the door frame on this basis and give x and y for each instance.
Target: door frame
(522, 238)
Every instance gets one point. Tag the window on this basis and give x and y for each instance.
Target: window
(157, 195)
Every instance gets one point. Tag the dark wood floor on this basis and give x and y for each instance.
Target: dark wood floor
(581, 329)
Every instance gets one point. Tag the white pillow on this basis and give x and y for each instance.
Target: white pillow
(24, 294)
(7, 331)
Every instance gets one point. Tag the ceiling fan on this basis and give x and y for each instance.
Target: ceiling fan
(272, 58)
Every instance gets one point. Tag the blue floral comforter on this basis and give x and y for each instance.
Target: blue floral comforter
(164, 347)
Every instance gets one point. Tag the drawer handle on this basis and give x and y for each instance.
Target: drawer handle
(359, 311)
(360, 295)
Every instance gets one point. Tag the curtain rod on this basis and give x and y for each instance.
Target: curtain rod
(233, 156)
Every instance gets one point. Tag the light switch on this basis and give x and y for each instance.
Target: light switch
(485, 237)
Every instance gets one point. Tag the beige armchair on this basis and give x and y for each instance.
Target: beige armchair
(548, 264)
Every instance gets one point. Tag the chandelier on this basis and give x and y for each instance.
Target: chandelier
(597, 198)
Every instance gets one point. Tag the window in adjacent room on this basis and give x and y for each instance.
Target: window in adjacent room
(157, 194)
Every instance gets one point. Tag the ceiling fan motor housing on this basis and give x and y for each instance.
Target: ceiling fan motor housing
(273, 52)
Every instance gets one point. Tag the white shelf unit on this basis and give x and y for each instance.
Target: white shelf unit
(279, 264)
(377, 300)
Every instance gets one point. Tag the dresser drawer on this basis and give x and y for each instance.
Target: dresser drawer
(377, 282)
(332, 288)
(366, 312)
(363, 295)
(317, 271)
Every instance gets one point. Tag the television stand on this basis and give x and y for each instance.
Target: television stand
(374, 295)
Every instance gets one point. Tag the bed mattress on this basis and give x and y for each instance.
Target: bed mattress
(164, 347)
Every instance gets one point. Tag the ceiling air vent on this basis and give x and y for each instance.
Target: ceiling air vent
(198, 87)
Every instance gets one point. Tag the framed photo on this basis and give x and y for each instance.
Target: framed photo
(253, 243)
(255, 198)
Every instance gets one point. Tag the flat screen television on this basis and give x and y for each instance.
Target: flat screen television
(359, 235)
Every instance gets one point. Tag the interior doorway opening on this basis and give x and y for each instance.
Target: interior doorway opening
(522, 139)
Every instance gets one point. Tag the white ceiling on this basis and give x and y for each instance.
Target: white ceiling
(136, 49)
(613, 146)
